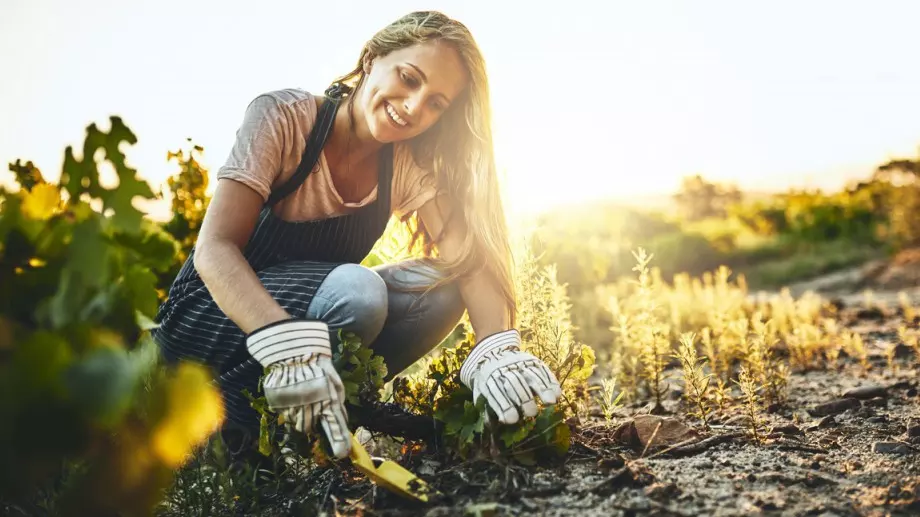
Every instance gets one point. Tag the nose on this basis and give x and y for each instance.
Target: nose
(412, 102)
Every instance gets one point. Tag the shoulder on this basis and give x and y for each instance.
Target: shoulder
(291, 104)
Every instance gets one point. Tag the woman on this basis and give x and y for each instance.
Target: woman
(308, 189)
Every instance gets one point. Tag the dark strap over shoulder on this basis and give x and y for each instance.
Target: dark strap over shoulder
(317, 139)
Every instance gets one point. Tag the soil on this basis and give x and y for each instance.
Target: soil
(823, 453)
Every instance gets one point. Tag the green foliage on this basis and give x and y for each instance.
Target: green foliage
(77, 376)
(361, 371)
(470, 428)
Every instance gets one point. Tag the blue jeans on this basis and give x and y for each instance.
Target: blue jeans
(400, 326)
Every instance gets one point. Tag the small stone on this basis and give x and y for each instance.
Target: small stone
(815, 465)
(877, 402)
(751, 477)
(866, 392)
(834, 407)
(826, 422)
(705, 464)
(881, 419)
(788, 429)
(913, 431)
(912, 392)
(890, 448)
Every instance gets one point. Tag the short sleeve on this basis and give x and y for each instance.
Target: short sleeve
(256, 156)
(412, 185)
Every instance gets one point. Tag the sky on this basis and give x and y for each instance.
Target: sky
(592, 99)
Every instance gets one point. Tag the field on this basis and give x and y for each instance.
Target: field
(723, 359)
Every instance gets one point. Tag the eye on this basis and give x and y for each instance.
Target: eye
(437, 105)
(408, 79)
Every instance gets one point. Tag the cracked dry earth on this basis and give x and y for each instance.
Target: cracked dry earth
(846, 443)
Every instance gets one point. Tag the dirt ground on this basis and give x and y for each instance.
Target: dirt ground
(846, 443)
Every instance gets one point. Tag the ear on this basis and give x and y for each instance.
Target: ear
(368, 63)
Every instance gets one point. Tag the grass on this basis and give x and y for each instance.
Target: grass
(818, 259)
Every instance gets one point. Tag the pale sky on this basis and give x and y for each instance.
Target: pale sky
(591, 98)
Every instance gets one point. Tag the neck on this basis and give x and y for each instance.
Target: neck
(351, 140)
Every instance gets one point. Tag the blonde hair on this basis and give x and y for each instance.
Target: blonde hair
(457, 149)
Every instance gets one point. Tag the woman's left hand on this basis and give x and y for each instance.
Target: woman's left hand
(508, 377)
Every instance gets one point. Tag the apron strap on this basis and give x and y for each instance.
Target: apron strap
(318, 136)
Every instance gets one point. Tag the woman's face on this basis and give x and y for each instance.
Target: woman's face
(406, 91)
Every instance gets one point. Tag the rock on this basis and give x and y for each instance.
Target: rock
(890, 448)
(788, 429)
(881, 419)
(826, 422)
(877, 402)
(866, 392)
(913, 431)
(705, 464)
(834, 407)
(638, 432)
(903, 385)
(912, 392)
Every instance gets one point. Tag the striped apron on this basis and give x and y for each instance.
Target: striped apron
(290, 258)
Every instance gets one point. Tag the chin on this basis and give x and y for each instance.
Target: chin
(382, 129)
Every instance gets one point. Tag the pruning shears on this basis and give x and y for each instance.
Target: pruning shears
(389, 474)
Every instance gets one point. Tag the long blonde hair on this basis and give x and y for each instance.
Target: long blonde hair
(458, 150)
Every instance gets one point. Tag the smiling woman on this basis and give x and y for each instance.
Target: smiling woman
(306, 192)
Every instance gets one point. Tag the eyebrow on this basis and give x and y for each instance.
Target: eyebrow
(425, 79)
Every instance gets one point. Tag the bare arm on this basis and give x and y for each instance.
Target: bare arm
(480, 292)
(227, 226)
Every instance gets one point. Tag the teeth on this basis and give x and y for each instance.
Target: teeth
(395, 116)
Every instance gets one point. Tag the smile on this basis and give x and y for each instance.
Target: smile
(394, 117)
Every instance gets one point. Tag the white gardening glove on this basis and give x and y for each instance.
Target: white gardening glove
(508, 377)
(302, 384)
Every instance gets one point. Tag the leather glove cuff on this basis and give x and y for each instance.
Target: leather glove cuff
(505, 340)
(289, 339)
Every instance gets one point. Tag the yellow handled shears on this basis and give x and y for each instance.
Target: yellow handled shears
(389, 474)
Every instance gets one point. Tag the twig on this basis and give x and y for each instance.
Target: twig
(612, 480)
(789, 445)
(690, 447)
(650, 440)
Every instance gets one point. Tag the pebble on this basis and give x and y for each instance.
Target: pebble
(788, 429)
(834, 407)
(866, 392)
(877, 402)
(881, 419)
(828, 421)
(913, 431)
(912, 392)
(890, 448)
(705, 464)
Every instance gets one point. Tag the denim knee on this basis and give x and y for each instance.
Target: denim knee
(354, 298)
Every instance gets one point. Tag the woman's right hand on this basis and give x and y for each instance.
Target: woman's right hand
(302, 384)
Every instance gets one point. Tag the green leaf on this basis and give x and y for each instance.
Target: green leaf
(27, 175)
(512, 434)
(102, 384)
(140, 284)
(38, 363)
(90, 253)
